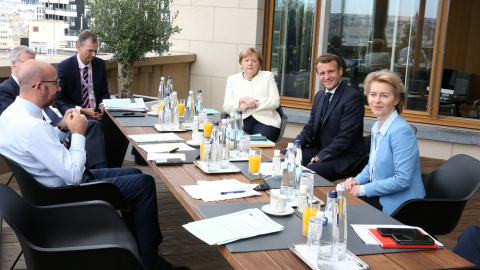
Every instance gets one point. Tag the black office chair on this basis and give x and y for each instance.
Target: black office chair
(448, 189)
(40, 195)
(84, 235)
(284, 123)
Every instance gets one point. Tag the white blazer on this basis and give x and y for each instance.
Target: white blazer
(261, 87)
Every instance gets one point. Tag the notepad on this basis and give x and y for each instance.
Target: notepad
(125, 104)
(228, 228)
(156, 138)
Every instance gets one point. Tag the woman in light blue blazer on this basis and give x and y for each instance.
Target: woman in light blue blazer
(392, 175)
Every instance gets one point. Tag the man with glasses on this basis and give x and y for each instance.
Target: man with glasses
(33, 144)
(83, 79)
(9, 90)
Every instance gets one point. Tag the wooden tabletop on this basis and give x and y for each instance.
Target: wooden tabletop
(176, 176)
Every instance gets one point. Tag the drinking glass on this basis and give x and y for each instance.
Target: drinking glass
(254, 160)
(181, 107)
(207, 127)
(307, 179)
(244, 145)
(310, 210)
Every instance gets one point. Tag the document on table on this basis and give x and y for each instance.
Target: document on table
(125, 104)
(368, 239)
(156, 138)
(165, 147)
(228, 228)
(163, 157)
(220, 190)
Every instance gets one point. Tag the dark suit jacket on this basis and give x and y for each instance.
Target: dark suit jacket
(340, 136)
(9, 90)
(69, 75)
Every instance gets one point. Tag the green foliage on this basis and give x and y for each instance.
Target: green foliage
(132, 28)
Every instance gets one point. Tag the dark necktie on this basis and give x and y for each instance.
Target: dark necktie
(85, 103)
(54, 118)
(326, 101)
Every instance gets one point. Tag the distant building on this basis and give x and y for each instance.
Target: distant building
(45, 36)
(6, 37)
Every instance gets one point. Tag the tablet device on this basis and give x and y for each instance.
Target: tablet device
(389, 231)
(168, 162)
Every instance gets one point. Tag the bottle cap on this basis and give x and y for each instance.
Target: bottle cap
(190, 92)
(276, 152)
(174, 94)
(169, 77)
(195, 118)
(215, 124)
(320, 214)
(224, 121)
(303, 189)
(332, 194)
(167, 94)
(232, 114)
(199, 91)
(162, 79)
(340, 187)
(239, 112)
(290, 145)
(298, 142)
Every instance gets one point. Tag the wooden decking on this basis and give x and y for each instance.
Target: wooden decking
(180, 247)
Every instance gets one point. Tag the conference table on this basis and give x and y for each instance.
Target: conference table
(175, 177)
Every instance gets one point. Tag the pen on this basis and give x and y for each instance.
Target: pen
(128, 113)
(270, 161)
(232, 192)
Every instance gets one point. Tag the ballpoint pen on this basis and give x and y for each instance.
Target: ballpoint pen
(232, 192)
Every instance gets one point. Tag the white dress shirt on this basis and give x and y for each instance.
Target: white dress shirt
(30, 141)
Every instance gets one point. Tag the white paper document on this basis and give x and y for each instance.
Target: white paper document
(368, 239)
(228, 228)
(163, 157)
(165, 147)
(156, 138)
(125, 104)
(220, 190)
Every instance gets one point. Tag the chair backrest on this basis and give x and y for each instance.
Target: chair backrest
(462, 84)
(457, 179)
(284, 123)
(414, 129)
(38, 194)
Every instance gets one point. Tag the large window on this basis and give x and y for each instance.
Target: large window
(291, 47)
(430, 44)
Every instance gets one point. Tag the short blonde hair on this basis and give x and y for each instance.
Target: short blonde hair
(387, 76)
(249, 51)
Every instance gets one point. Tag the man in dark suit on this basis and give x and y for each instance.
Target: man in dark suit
(332, 140)
(83, 79)
(9, 90)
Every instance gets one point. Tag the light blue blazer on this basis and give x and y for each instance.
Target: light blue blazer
(397, 168)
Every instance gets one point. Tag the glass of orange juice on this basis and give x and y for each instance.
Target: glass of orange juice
(254, 159)
(203, 154)
(207, 127)
(310, 210)
(181, 107)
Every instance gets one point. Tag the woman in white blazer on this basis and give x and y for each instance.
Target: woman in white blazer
(392, 175)
(255, 93)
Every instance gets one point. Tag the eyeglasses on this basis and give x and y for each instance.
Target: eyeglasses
(91, 51)
(56, 82)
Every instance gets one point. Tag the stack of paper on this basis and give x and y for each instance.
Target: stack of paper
(232, 227)
(220, 190)
(125, 104)
(165, 147)
(363, 231)
(156, 138)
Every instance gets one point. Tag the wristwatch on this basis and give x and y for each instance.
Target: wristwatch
(312, 160)
(64, 130)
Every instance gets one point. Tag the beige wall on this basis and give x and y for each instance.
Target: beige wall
(216, 31)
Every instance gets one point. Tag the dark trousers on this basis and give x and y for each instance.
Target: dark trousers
(468, 245)
(142, 219)
(326, 169)
(95, 145)
(252, 126)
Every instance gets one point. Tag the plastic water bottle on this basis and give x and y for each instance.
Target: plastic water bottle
(298, 164)
(225, 154)
(190, 108)
(287, 186)
(328, 248)
(276, 161)
(167, 113)
(169, 86)
(198, 102)
(342, 222)
(175, 113)
(239, 124)
(161, 91)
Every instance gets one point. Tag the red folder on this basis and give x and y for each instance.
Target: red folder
(387, 241)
